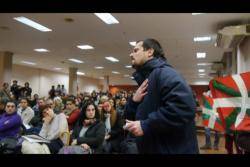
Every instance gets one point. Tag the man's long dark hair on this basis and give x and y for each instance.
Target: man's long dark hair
(150, 43)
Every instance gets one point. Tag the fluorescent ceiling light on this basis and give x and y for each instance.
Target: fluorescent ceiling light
(101, 77)
(204, 64)
(115, 72)
(128, 66)
(112, 59)
(201, 39)
(28, 62)
(197, 14)
(107, 18)
(75, 60)
(80, 73)
(33, 24)
(202, 74)
(201, 55)
(132, 77)
(85, 47)
(99, 67)
(126, 75)
(132, 43)
(57, 68)
(201, 70)
(41, 50)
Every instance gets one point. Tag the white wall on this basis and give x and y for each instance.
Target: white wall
(243, 56)
(41, 80)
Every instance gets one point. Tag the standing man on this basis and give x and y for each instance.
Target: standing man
(26, 91)
(163, 105)
(15, 90)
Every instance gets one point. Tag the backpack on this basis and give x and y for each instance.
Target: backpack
(10, 145)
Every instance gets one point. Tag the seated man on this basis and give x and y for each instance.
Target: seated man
(25, 112)
(10, 121)
(35, 108)
(72, 113)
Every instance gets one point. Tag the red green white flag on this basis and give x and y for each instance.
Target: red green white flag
(210, 115)
(231, 98)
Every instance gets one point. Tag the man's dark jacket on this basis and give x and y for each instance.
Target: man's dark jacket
(166, 112)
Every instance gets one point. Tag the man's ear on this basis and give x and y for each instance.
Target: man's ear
(150, 52)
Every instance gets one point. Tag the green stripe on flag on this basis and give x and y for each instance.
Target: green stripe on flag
(205, 116)
(226, 89)
(218, 121)
(230, 120)
(206, 103)
(248, 112)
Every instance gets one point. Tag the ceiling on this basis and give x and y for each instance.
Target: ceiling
(175, 32)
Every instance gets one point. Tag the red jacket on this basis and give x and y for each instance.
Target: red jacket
(73, 118)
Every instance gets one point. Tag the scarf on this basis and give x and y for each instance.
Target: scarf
(107, 122)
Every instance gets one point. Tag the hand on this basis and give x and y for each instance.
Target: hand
(85, 146)
(141, 92)
(47, 119)
(107, 137)
(134, 127)
(74, 142)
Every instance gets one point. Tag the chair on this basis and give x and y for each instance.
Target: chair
(65, 137)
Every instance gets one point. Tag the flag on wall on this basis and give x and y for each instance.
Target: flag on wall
(231, 98)
(210, 115)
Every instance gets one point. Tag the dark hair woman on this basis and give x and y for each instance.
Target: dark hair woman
(88, 133)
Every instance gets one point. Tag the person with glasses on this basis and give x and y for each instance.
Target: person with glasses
(10, 121)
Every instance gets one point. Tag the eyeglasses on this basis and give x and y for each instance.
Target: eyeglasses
(10, 106)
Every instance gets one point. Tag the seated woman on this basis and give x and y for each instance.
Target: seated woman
(88, 133)
(53, 126)
(114, 131)
(10, 121)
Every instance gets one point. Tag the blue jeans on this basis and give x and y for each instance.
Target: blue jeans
(208, 137)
